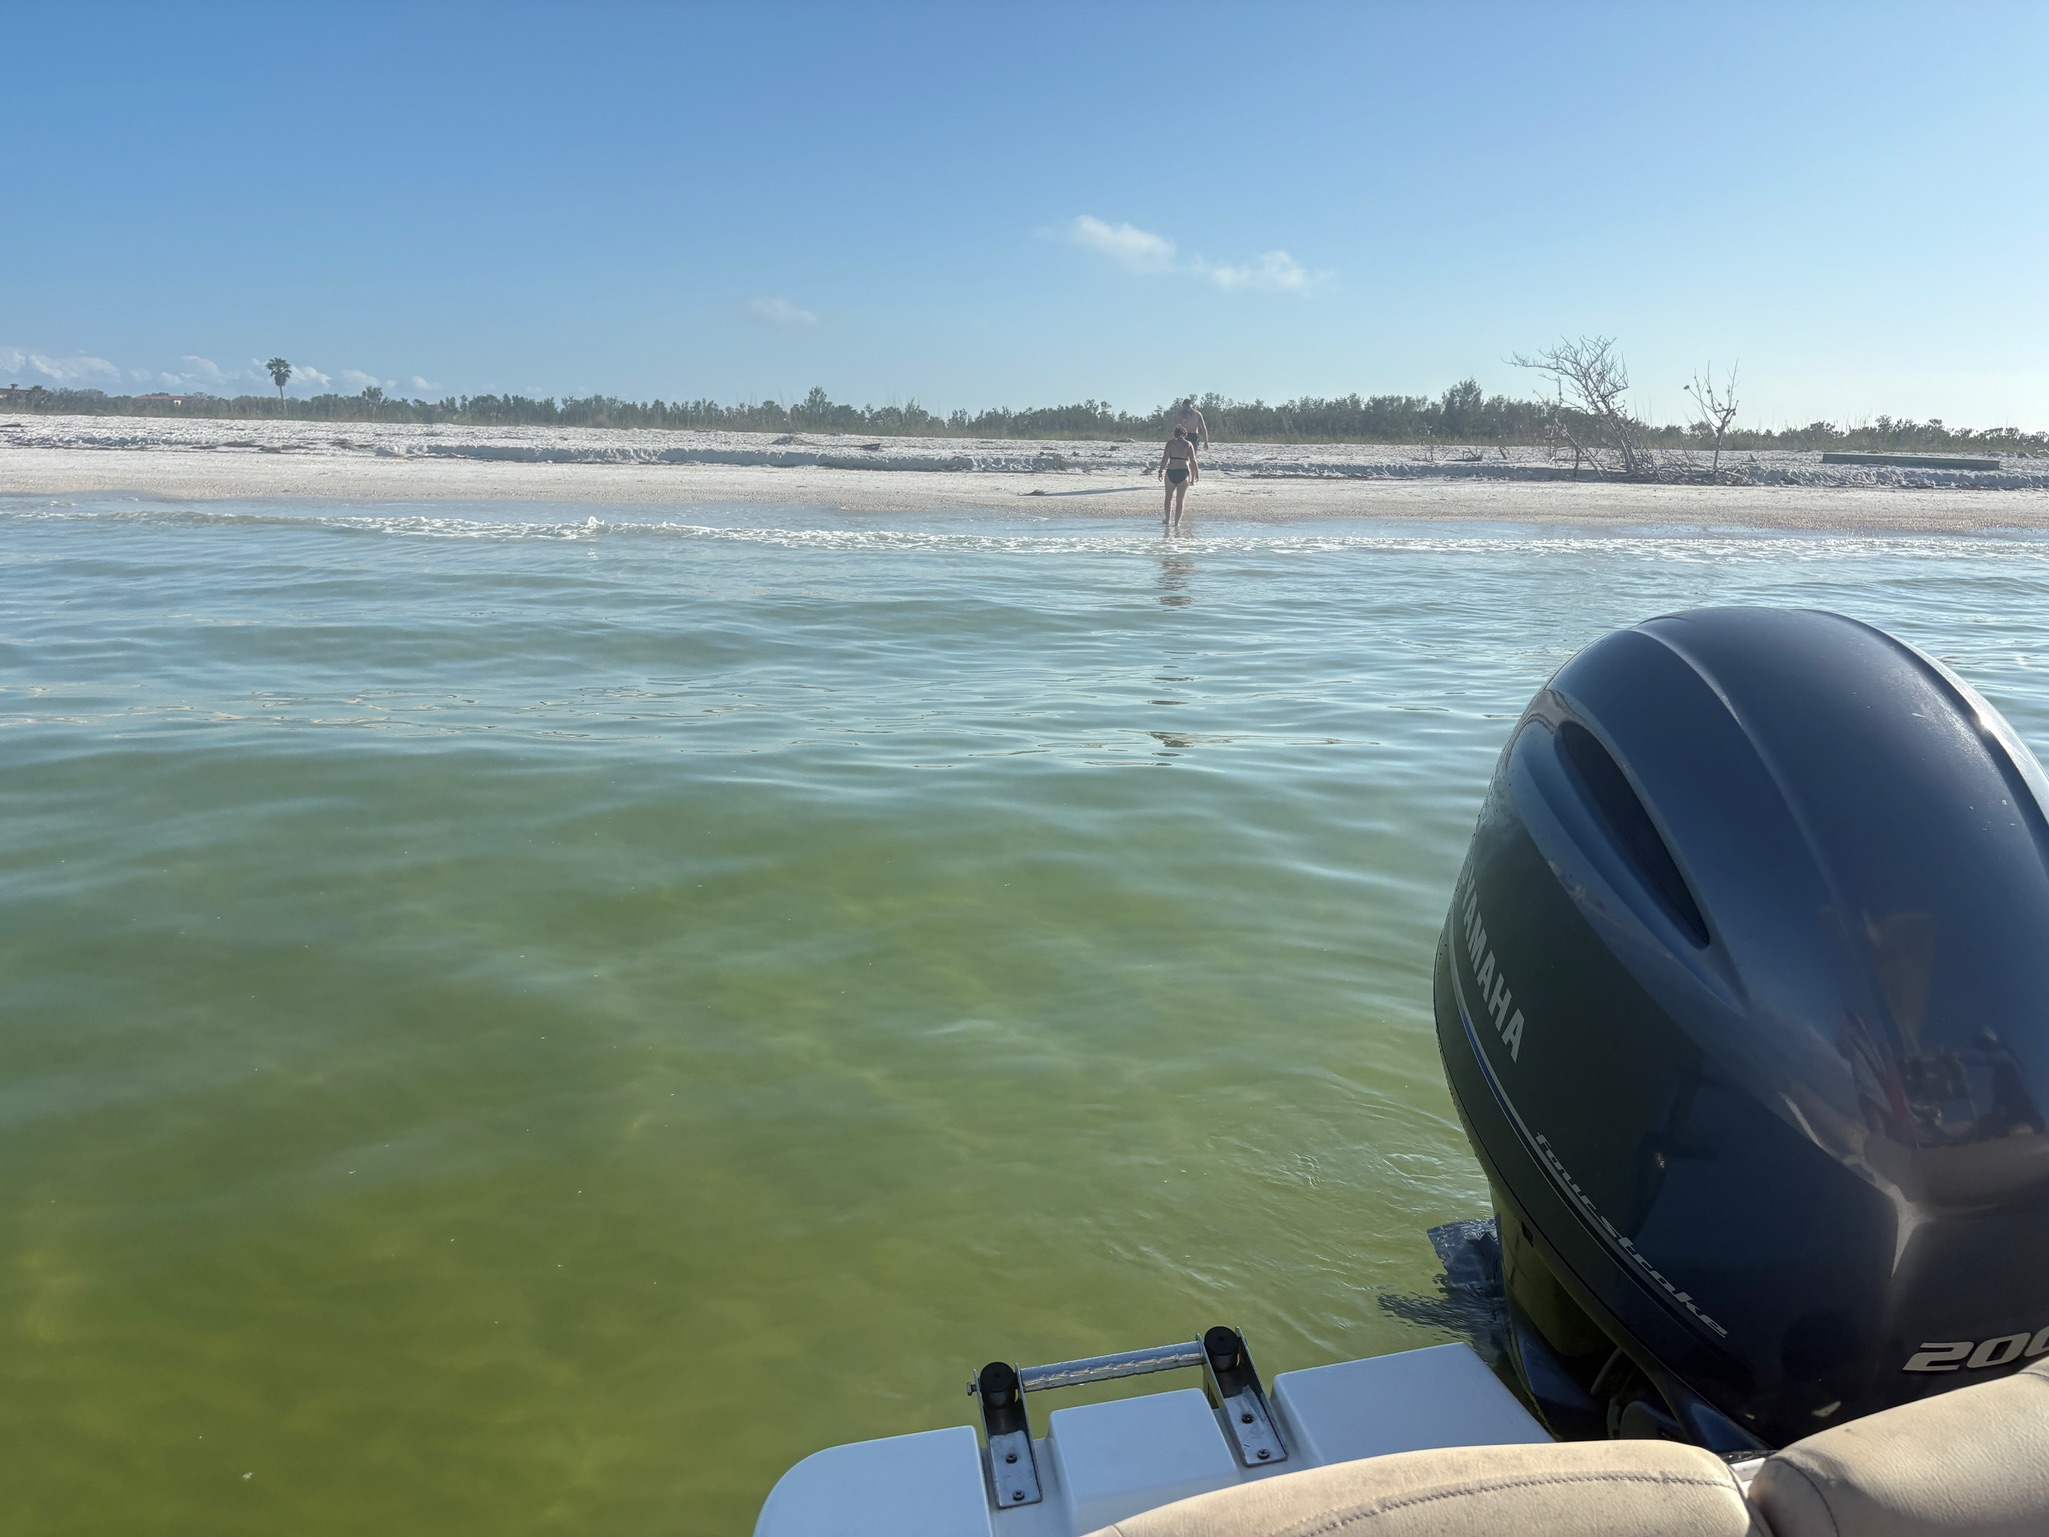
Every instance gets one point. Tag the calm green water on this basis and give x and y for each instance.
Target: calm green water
(512, 1023)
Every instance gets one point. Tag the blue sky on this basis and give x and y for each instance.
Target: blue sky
(979, 205)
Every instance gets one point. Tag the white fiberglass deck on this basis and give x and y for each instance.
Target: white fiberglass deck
(1101, 1462)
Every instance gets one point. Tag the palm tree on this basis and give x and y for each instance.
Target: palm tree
(280, 374)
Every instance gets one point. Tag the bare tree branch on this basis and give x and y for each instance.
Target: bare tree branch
(1714, 410)
(1589, 382)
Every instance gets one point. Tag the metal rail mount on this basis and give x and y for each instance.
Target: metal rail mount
(1230, 1381)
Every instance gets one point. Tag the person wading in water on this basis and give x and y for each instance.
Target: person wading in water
(1177, 469)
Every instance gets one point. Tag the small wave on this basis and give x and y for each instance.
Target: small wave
(1678, 545)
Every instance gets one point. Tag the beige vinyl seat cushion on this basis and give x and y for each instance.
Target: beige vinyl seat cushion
(1972, 1462)
(1570, 1489)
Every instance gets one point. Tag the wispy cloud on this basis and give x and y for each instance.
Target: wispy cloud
(419, 383)
(19, 363)
(1143, 252)
(77, 369)
(1132, 248)
(201, 371)
(781, 312)
(1275, 271)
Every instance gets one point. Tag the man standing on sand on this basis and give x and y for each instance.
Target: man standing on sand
(1177, 469)
(1190, 421)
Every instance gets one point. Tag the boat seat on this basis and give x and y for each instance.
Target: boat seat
(1972, 1462)
(1562, 1489)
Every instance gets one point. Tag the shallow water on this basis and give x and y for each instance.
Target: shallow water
(518, 1022)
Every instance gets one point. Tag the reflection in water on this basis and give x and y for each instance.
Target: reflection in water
(1177, 577)
(1177, 574)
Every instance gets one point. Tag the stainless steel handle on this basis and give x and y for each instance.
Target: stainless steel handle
(1127, 1363)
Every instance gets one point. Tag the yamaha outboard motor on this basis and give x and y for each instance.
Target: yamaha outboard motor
(1744, 1001)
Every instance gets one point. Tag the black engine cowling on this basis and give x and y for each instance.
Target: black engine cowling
(1744, 1002)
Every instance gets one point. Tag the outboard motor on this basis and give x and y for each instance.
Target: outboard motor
(1744, 1002)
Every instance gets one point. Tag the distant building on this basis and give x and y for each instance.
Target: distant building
(166, 400)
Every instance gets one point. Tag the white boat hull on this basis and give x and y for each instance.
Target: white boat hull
(1099, 1463)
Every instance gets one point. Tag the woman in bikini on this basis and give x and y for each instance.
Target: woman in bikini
(1178, 471)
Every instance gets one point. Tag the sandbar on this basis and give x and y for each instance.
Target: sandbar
(226, 460)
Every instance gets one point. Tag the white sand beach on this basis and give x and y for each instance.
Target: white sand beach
(212, 460)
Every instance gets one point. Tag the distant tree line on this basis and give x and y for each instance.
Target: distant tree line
(1463, 414)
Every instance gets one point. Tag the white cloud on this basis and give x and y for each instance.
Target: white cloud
(419, 383)
(356, 379)
(1141, 251)
(75, 369)
(1274, 271)
(206, 370)
(1132, 248)
(18, 364)
(781, 312)
(64, 371)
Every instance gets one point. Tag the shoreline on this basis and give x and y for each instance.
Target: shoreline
(205, 461)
